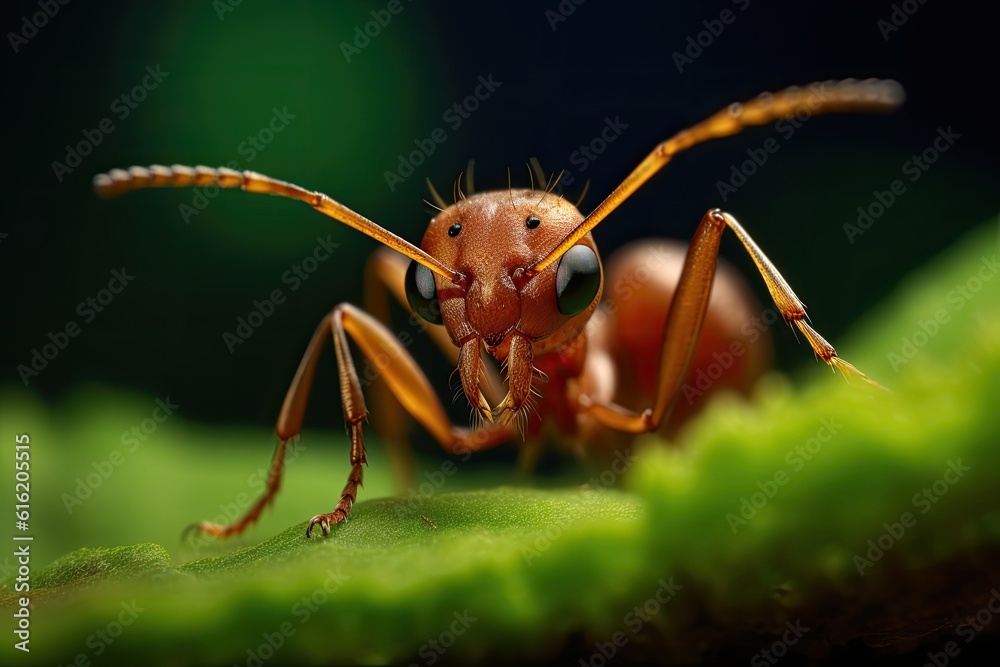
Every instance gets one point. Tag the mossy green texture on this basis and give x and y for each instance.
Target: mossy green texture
(767, 511)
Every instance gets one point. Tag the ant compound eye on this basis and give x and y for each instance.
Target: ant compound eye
(578, 278)
(421, 293)
(532, 221)
(454, 231)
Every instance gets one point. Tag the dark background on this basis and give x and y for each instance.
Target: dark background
(162, 335)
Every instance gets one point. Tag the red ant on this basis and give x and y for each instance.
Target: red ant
(517, 275)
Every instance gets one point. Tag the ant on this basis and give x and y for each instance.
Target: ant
(516, 276)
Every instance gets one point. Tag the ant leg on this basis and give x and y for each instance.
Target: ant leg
(288, 426)
(275, 470)
(408, 384)
(392, 421)
(405, 379)
(685, 318)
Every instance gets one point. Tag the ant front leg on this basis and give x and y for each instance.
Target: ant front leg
(685, 319)
(385, 275)
(406, 381)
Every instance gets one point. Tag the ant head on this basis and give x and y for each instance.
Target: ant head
(492, 239)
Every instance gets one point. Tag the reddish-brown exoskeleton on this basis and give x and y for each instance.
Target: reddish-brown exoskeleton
(515, 275)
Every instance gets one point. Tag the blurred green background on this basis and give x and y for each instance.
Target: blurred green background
(228, 71)
(163, 335)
